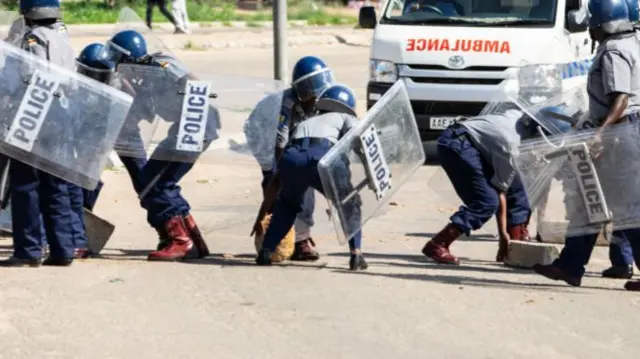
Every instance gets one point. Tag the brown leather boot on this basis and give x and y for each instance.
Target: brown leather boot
(196, 236)
(438, 247)
(181, 245)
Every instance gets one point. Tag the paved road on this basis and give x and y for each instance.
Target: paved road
(225, 307)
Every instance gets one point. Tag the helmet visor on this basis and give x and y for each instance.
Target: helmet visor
(102, 75)
(312, 85)
(117, 54)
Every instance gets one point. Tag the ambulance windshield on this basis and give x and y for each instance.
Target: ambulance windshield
(488, 13)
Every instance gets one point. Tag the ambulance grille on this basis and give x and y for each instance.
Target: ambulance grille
(449, 108)
(455, 81)
(470, 68)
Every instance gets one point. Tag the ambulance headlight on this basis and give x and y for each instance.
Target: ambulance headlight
(383, 71)
(539, 82)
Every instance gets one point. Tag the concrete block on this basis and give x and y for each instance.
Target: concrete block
(528, 254)
(98, 231)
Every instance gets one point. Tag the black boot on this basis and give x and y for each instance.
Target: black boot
(357, 262)
(618, 272)
(264, 257)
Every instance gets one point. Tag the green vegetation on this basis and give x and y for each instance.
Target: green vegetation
(97, 12)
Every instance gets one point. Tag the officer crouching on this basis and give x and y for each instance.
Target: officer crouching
(298, 169)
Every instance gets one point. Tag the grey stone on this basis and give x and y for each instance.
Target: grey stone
(527, 254)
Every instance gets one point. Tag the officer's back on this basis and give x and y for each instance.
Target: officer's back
(328, 126)
(50, 41)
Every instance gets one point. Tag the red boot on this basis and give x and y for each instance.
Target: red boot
(196, 236)
(519, 232)
(438, 247)
(180, 247)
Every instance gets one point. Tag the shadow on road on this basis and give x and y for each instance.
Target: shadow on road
(473, 238)
(381, 260)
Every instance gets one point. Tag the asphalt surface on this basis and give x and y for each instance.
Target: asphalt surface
(404, 306)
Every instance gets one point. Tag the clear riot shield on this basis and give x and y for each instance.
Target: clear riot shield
(13, 27)
(261, 127)
(371, 162)
(581, 183)
(185, 112)
(57, 120)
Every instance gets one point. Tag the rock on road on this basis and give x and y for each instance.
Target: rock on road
(224, 306)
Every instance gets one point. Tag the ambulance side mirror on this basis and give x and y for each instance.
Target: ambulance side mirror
(576, 21)
(367, 18)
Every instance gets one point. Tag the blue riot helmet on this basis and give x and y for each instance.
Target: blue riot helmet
(94, 62)
(337, 98)
(612, 16)
(127, 46)
(40, 9)
(310, 77)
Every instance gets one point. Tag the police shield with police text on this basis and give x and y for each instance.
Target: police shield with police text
(44, 107)
(268, 134)
(603, 172)
(39, 107)
(165, 89)
(363, 170)
(298, 170)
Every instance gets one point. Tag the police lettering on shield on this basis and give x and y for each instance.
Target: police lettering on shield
(377, 166)
(590, 187)
(195, 111)
(32, 111)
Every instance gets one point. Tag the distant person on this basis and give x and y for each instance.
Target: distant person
(162, 5)
(179, 10)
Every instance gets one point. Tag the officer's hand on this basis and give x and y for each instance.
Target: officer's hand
(257, 229)
(503, 247)
(596, 147)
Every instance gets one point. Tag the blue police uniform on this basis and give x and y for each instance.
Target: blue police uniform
(41, 203)
(166, 207)
(298, 170)
(311, 76)
(476, 155)
(92, 62)
(621, 253)
(614, 72)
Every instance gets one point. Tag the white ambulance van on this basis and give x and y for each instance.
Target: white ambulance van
(455, 56)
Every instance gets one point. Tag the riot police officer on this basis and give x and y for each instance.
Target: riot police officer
(476, 155)
(167, 210)
(40, 205)
(613, 85)
(298, 169)
(311, 76)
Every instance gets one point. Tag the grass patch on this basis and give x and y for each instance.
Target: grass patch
(96, 12)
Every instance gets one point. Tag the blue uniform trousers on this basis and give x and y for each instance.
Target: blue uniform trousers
(298, 169)
(76, 198)
(164, 200)
(518, 208)
(134, 167)
(470, 176)
(41, 211)
(305, 217)
(577, 250)
(621, 253)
